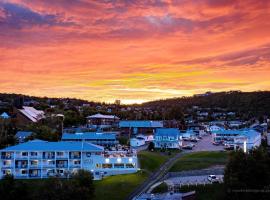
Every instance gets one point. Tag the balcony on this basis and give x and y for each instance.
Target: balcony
(22, 166)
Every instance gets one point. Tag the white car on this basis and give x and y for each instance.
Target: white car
(213, 179)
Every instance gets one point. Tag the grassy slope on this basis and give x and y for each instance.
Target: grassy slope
(162, 188)
(199, 160)
(118, 187)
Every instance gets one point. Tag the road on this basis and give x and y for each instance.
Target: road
(155, 177)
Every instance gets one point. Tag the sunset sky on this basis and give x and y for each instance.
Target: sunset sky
(132, 50)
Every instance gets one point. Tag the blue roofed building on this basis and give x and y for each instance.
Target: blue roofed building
(237, 138)
(42, 159)
(139, 126)
(21, 136)
(4, 115)
(167, 138)
(103, 139)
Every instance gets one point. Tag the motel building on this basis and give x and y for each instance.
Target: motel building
(243, 138)
(42, 159)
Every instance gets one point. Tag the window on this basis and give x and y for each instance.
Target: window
(60, 153)
(34, 162)
(130, 165)
(24, 154)
(6, 162)
(77, 162)
(88, 154)
(23, 171)
(98, 165)
(119, 166)
(106, 165)
(34, 153)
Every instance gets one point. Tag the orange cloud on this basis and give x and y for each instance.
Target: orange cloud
(133, 50)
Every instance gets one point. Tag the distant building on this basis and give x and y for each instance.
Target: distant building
(27, 115)
(99, 121)
(237, 138)
(167, 138)
(42, 159)
(103, 139)
(136, 142)
(4, 115)
(21, 136)
(139, 127)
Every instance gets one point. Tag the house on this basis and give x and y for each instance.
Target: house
(139, 126)
(42, 159)
(21, 136)
(99, 121)
(4, 115)
(136, 142)
(237, 138)
(167, 138)
(103, 139)
(27, 115)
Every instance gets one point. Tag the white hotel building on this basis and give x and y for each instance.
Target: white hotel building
(42, 159)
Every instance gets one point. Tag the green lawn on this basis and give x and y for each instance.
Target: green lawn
(162, 188)
(199, 160)
(120, 186)
(150, 161)
(207, 192)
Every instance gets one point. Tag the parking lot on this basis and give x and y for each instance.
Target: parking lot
(205, 144)
(191, 180)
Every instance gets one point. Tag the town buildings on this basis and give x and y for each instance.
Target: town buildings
(27, 115)
(42, 159)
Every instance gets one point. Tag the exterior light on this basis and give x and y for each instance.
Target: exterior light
(107, 160)
(130, 160)
(245, 146)
(92, 170)
(119, 160)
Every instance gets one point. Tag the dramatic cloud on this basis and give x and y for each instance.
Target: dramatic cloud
(133, 50)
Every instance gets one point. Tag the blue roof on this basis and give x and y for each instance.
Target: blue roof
(167, 132)
(23, 134)
(250, 133)
(141, 124)
(40, 145)
(4, 115)
(88, 135)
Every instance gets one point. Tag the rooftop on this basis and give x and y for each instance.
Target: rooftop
(141, 124)
(101, 116)
(167, 132)
(32, 114)
(88, 135)
(40, 145)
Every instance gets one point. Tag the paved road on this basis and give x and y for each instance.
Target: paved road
(155, 177)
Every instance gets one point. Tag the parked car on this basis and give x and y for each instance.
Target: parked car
(213, 179)
(194, 140)
(189, 147)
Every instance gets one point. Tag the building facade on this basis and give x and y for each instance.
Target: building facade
(103, 139)
(42, 159)
(99, 121)
(167, 138)
(237, 138)
(134, 127)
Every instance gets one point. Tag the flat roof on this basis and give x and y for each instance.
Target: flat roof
(141, 124)
(88, 135)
